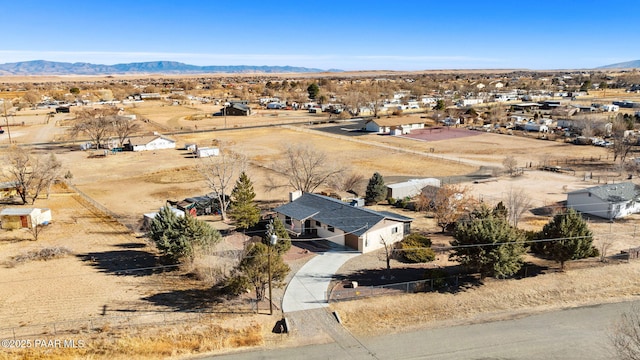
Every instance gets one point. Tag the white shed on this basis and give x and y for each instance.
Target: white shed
(16, 218)
(410, 188)
(207, 151)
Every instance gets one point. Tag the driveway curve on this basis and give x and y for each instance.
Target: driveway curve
(308, 288)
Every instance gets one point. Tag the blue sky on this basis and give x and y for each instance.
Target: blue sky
(348, 35)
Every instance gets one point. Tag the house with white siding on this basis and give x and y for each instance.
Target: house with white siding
(322, 217)
(401, 125)
(610, 201)
(153, 142)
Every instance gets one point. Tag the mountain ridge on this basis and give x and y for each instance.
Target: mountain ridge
(44, 67)
(623, 65)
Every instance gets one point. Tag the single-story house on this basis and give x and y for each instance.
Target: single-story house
(339, 222)
(237, 109)
(152, 142)
(411, 188)
(403, 125)
(17, 218)
(610, 201)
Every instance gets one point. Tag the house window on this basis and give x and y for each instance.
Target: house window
(318, 224)
(331, 228)
(287, 220)
(394, 230)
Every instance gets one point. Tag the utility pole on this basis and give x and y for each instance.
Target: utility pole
(4, 105)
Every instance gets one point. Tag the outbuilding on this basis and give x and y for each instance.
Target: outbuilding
(17, 218)
(411, 188)
(207, 152)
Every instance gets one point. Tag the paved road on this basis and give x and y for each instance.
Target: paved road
(579, 333)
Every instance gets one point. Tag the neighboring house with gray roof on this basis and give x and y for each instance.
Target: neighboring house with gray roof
(358, 228)
(610, 201)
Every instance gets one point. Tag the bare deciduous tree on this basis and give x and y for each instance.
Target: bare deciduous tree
(305, 168)
(449, 203)
(220, 173)
(97, 124)
(123, 128)
(347, 182)
(517, 203)
(31, 174)
(621, 144)
(510, 163)
(625, 335)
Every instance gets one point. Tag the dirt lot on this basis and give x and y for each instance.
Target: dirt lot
(131, 184)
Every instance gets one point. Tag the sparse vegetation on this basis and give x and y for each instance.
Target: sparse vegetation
(44, 254)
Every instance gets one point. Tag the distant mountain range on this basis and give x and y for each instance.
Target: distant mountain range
(622, 65)
(43, 67)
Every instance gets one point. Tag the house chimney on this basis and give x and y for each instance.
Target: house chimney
(294, 195)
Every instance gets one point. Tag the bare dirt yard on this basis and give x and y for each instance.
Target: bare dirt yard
(77, 286)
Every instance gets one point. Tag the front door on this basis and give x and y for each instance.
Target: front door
(307, 226)
(24, 222)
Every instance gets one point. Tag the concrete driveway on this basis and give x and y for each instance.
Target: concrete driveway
(308, 287)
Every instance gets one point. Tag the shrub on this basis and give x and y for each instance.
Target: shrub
(43, 254)
(438, 277)
(415, 248)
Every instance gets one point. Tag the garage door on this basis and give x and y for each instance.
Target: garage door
(351, 241)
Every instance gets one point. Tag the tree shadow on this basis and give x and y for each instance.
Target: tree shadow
(187, 300)
(123, 262)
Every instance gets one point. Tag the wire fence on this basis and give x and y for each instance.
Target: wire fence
(101, 324)
(454, 283)
(101, 208)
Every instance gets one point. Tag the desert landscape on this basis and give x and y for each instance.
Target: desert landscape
(106, 284)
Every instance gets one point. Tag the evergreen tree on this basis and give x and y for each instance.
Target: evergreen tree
(177, 237)
(501, 211)
(243, 209)
(313, 90)
(488, 244)
(570, 237)
(284, 240)
(254, 269)
(376, 190)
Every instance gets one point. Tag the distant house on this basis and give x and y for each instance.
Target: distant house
(8, 189)
(610, 201)
(341, 223)
(237, 109)
(17, 218)
(401, 125)
(411, 188)
(152, 142)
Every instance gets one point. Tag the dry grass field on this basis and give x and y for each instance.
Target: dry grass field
(78, 286)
